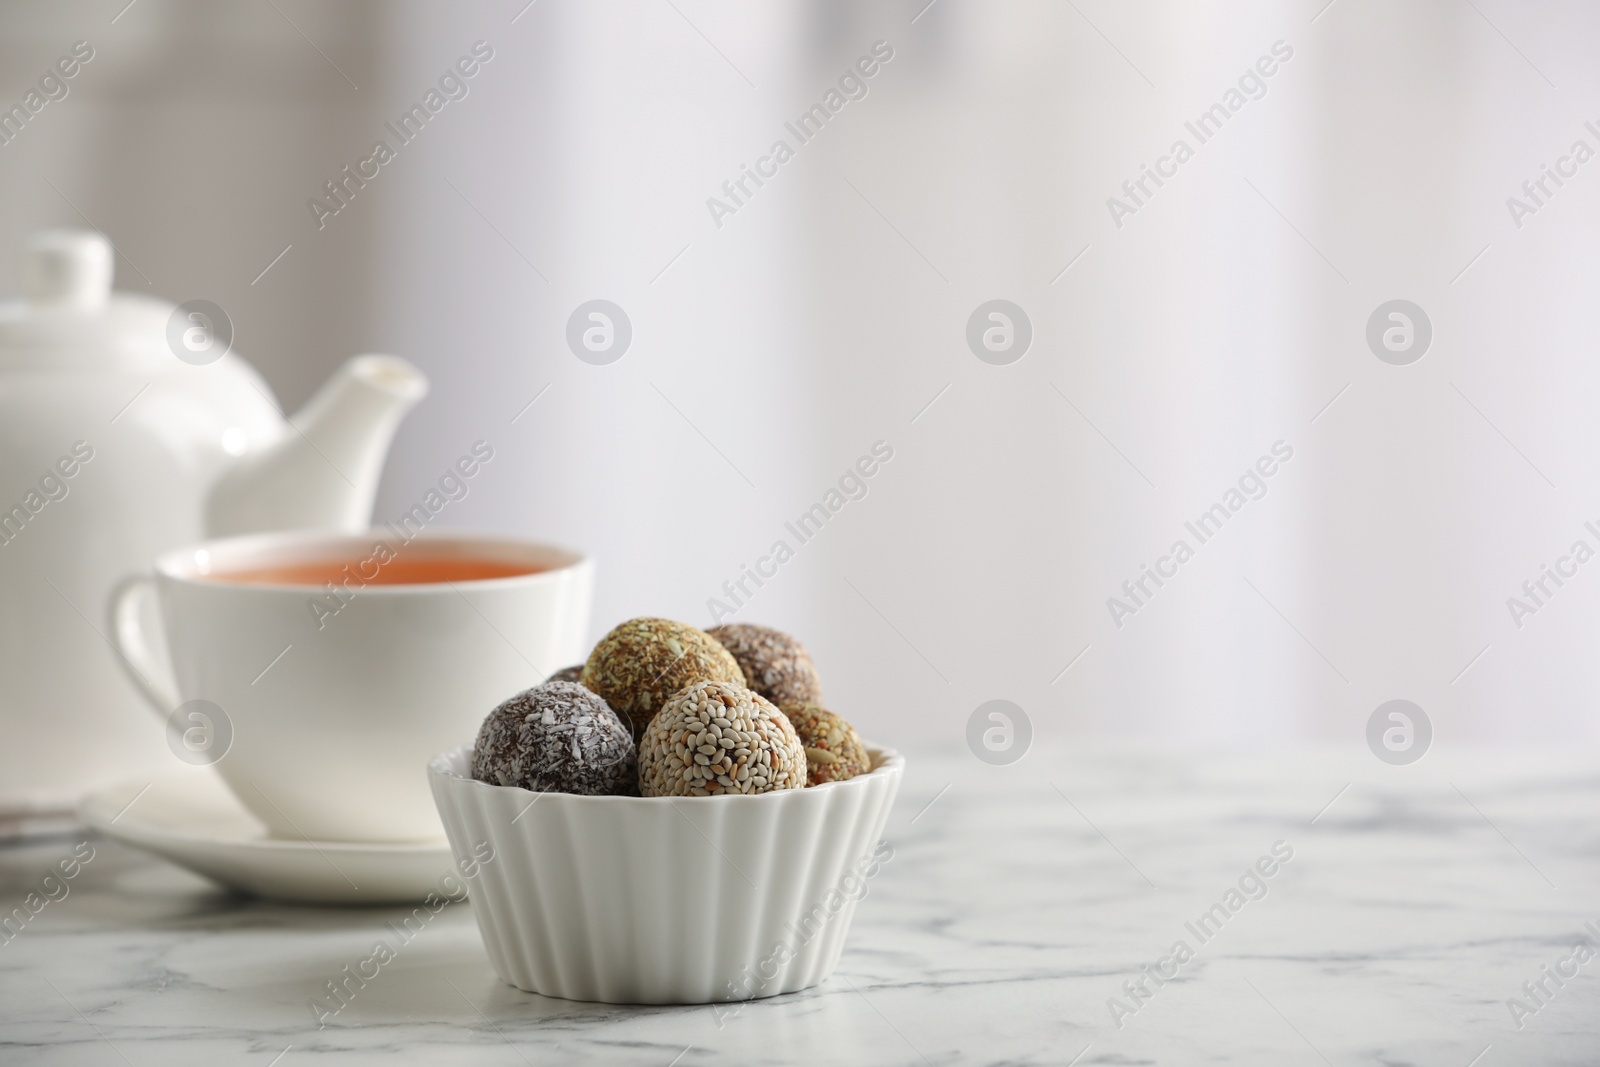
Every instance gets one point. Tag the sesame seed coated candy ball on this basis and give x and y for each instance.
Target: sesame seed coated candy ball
(717, 738)
(774, 664)
(834, 752)
(556, 738)
(642, 662)
(567, 674)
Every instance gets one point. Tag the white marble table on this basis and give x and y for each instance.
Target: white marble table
(1413, 908)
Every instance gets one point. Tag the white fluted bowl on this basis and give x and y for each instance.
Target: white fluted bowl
(691, 900)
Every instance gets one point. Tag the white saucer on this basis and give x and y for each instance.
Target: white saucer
(192, 819)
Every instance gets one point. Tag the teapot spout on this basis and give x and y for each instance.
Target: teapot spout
(322, 473)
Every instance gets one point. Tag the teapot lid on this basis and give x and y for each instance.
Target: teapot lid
(69, 317)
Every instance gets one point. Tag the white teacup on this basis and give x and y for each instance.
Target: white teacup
(320, 707)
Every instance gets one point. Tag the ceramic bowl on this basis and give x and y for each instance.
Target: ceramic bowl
(691, 900)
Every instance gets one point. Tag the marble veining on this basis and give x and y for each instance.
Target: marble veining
(1415, 907)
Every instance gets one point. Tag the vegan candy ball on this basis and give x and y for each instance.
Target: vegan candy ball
(556, 738)
(774, 664)
(834, 752)
(642, 662)
(567, 674)
(717, 737)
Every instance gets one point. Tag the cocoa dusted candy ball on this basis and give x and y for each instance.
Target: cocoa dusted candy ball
(567, 674)
(556, 738)
(717, 737)
(642, 662)
(834, 752)
(774, 664)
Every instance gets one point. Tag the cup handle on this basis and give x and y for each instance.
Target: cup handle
(151, 677)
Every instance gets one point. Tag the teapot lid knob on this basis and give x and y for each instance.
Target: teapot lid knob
(68, 268)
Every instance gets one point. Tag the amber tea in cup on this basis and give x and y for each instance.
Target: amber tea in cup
(400, 570)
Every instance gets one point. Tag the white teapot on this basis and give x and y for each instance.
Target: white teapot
(127, 428)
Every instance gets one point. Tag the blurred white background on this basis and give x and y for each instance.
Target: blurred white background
(772, 351)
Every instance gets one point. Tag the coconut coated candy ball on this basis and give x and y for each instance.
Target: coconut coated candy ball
(556, 738)
(834, 752)
(774, 664)
(642, 662)
(719, 738)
